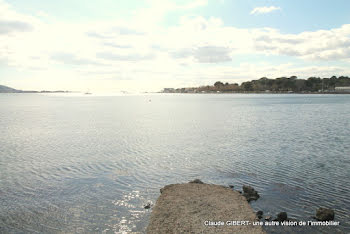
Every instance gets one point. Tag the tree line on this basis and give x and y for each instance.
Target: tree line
(281, 84)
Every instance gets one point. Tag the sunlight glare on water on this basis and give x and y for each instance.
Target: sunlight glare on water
(75, 163)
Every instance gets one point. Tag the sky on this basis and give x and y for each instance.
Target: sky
(148, 45)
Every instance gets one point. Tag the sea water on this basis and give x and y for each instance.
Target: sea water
(86, 163)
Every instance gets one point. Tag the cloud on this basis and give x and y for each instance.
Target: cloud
(127, 31)
(71, 59)
(7, 26)
(141, 52)
(11, 21)
(212, 54)
(204, 54)
(154, 14)
(98, 35)
(114, 31)
(124, 57)
(111, 44)
(264, 10)
(331, 44)
(193, 4)
(182, 53)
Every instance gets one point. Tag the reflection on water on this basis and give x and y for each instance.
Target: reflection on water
(90, 163)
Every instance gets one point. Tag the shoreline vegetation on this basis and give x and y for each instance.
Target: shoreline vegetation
(278, 85)
(312, 85)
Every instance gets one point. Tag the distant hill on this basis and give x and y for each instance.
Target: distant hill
(5, 89)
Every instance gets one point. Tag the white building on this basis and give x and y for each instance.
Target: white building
(168, 90)
(345, 89)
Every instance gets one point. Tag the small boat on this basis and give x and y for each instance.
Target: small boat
(87, 93)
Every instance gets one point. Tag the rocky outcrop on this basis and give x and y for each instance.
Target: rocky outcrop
(201, 208)
(250, 194)
(282, 216)
(196, 181)
(324, 214)
(259, 214)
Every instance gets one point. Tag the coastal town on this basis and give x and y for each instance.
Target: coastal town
(279, 85)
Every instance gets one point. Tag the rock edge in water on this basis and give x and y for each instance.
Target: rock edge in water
(324, 214)
(250, 193)
(190, 207)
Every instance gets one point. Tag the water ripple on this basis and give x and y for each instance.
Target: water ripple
(77, 165)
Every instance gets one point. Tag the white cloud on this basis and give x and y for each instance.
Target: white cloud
(72, 59)
(8, 26)
(193, 4)
(124, 57)
(12, 22)
(331, 44)
(264, 10)
(142, 54)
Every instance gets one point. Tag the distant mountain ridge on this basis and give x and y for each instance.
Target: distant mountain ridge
(6, 89)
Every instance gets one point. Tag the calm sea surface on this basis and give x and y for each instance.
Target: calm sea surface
(89, 163)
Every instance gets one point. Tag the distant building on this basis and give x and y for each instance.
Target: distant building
(168, 90)
(344, 89)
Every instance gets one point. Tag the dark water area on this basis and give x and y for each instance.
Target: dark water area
(87, 164)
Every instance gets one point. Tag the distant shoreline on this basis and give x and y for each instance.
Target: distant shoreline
(6, 89)
(41, 92)
(255, 92)
(278, 85)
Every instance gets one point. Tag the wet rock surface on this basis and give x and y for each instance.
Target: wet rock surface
(185, 208)
(250, 193)
(282, 216)
(324, 214)
(196, 181)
